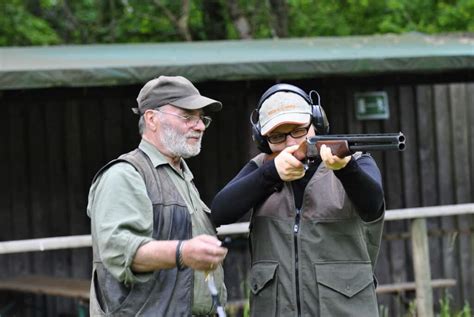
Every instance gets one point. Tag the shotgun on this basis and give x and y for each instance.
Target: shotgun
(347, 144)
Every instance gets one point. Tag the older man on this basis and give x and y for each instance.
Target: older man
(152, 237)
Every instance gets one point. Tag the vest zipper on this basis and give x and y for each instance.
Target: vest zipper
(296, 229)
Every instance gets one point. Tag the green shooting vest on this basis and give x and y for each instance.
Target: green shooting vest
(169, 291)
(316, 261)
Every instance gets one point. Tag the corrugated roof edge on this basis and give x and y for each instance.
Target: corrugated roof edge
(120, 64)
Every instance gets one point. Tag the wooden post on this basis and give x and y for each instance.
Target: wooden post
(421, 264)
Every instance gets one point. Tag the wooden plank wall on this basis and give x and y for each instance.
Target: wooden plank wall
(54, 140)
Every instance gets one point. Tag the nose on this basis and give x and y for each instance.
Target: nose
(199, 126)
(290, 140)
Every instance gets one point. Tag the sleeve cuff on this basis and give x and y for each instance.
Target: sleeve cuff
(349, 168)
(131, 277)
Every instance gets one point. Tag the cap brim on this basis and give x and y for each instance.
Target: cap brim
(197, 102)
(285, 118)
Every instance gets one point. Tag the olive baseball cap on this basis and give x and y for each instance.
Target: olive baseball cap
(283, 108)
(173, 90)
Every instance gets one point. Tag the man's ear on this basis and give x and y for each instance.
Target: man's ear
(151, 120)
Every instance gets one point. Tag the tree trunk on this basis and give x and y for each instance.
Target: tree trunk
(279, 18)
(239, 20)
(34, 7)
(181, 22)
(73, 24)
(214, 22)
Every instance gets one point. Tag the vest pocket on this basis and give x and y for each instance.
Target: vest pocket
(346, 289)
(114, 295)
(264, 288)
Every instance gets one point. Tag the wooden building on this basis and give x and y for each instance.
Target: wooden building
(66, 112)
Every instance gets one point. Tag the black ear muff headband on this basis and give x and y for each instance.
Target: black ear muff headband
(318, 117)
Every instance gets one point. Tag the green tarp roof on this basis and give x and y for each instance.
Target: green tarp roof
(115, 64)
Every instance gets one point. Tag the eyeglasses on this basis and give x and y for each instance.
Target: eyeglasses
(281, 137)
(190, 120)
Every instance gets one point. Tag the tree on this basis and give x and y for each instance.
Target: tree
(18, 26)
(239, 20)
(214, 19)
(180, 21)
(49, 22)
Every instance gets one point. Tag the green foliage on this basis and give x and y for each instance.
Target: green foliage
(444, 305)
(466, 311)
(19, 27)
(383, 311)
(49, 22)
(358, 17)
(411, 312)
(447, 311)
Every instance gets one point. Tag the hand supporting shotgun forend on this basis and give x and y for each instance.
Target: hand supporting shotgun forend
(342, 145)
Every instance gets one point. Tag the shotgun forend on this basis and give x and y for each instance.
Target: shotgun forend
(346, 144)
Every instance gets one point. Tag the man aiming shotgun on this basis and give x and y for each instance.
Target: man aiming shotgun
(315, 229)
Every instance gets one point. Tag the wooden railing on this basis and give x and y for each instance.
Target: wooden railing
(420, 251)
(419, 237)
(45, 244)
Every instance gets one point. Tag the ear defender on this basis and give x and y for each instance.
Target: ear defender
(318, 117)
(320, 120)
(258, 138)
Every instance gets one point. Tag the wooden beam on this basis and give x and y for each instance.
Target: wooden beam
(48, 285)
(242, 228)
(421, 265)
(53, 243)
(381, 289)
(426, 212)
(411, 286)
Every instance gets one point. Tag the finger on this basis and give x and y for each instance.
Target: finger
(211, 252)
(291, 149)
(296, 171)
(289, 159)
(294, 176)
(327, 155)
(324, 155)
(323, 152)
(214, 260)
(328, 151)
(294, 162)
(209, 239)
(219, 252)
(217, 260)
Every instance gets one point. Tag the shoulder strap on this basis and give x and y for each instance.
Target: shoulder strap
(129, 157)
(142, 164)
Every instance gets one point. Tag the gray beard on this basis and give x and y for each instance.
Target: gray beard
(176, 143)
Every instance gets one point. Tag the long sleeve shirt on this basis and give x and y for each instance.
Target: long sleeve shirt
(360, 178)
(122, 220)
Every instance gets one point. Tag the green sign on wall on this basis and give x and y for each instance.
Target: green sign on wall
(371, 105)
